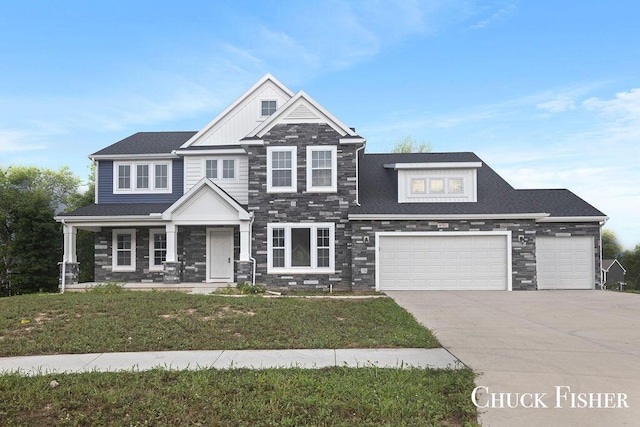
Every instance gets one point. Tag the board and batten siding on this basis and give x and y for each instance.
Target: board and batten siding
(194, 171)
(105, 186)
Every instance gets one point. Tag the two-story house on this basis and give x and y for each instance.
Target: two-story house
(278, 191)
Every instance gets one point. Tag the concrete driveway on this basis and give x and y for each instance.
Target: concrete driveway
(573, 346)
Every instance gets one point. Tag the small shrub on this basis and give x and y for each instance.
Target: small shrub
(107, 288)
(249, 289)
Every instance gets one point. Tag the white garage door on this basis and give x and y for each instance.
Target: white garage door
(565, 262)
(429, 262)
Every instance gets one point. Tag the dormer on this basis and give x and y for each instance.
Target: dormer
(437, 182)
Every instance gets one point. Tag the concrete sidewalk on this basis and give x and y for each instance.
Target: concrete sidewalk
(229, 359)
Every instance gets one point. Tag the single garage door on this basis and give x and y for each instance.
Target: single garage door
(443, 262)
(565, 262)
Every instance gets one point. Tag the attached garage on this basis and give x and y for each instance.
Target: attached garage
(443, 261)
(565, 262)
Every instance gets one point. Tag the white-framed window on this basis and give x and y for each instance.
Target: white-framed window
(268, 107)
(157, 249)
(436, 186)
(301, 248)
(418, 186)
(221, 169)
(123, 250)
(322, 169)
(136, 177)
(455, 186)
(282, 170)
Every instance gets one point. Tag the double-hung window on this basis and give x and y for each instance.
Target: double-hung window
(157, 249)
(301, 248)
(123, 248)
(322, 169)
(221, 169)
(142, 177)
(281, 170)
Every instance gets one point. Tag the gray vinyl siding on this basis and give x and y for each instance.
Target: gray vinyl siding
(105, 186)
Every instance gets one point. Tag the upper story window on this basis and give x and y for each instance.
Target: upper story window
(142, 177)
(220, 169)
(281, 169)
(268, 108)
(322, 169)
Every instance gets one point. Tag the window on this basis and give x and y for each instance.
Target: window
(281, 169)
(228, 169)
(124, 250)
(157, 249)
(268, 108)
(140, 174)
(322, 169)
(301, 248)
(418, 186)
(436, 186)
(455, 186)
(211, 169)
(124, 177)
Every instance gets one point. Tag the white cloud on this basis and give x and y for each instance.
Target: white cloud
(501, 13)
(13, 141)
(560, 104)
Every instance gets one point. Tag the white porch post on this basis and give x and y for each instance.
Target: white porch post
(172, 242)
(70, 235)
(244, 240)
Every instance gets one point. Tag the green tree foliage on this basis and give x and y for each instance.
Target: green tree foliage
(410, 145)
(85, 240)
(30, 239)
(611, 249)
(630, 260)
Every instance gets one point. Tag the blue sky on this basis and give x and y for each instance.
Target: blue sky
(546, 92)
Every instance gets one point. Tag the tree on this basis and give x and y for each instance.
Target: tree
(30, 239)
(630, 260)
(409, 145)
(85, 240)
(611, 248)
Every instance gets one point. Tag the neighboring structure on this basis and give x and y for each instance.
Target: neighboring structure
(278, 191)
(613, 274)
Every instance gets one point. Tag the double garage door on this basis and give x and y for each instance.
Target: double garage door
(459, 261)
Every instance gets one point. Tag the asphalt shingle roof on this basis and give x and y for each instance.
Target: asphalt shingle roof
(118, 209)
(147, 143)
(378, 191)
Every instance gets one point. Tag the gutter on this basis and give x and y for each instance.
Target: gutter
(251, 258)
(358, 175)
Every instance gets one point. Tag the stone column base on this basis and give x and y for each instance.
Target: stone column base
(71, 273)
(244, 271)
(172, 272)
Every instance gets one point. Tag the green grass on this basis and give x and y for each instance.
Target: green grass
(156, 321)
(274, 397)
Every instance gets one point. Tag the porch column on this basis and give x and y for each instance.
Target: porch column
(69, 271)
(172, 270)
(70, 235)
(244, 240)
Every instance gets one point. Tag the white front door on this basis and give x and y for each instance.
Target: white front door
(220, 255)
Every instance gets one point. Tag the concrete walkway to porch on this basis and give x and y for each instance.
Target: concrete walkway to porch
(230, 359)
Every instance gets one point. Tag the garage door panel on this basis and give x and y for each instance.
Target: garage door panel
(565, 262)
(444, 262)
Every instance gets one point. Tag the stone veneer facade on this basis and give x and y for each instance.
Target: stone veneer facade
(303, 206)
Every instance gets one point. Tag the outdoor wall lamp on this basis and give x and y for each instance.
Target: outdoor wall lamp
(521, 239)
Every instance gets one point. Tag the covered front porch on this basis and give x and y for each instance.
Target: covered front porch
(204, 237)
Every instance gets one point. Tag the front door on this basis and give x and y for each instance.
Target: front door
(220, 255)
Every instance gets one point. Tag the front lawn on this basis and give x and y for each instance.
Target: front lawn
(272, 397)
(155, 321)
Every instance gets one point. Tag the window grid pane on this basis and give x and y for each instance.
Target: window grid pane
(124, 176)
(123, 250)
(455, 185)
(281, 169)
(278, 247)
(212, 169)
(436, 186)
(323, 242)
(142, 176)
(162, 172)
(321, 164)
(268, 108)
(228, 169)
(159, 248)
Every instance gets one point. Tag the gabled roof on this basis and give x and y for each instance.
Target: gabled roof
(266, 79)
(118, 209)
(608, 263)
(302, 109)
(378, 192)
(146, 143)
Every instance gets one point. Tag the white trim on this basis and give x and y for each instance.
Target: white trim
(210, 152)
(410, 217)
(333, 188)
(114, 250)
(434, 165)
(133, 173)
(614, 262)
(148, 156)
(356, 140)
(220, 168)
(574, 219)
(238, 101)
(95, 181)
(251, 142)
(294, 170)
(152, 265)
(506, 233)
(288, 269)
(272, 120)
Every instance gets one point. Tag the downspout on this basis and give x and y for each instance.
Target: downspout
(358, 174)
(251, 258)
(601, 272)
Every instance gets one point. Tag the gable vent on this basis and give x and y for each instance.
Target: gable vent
(302, 112)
